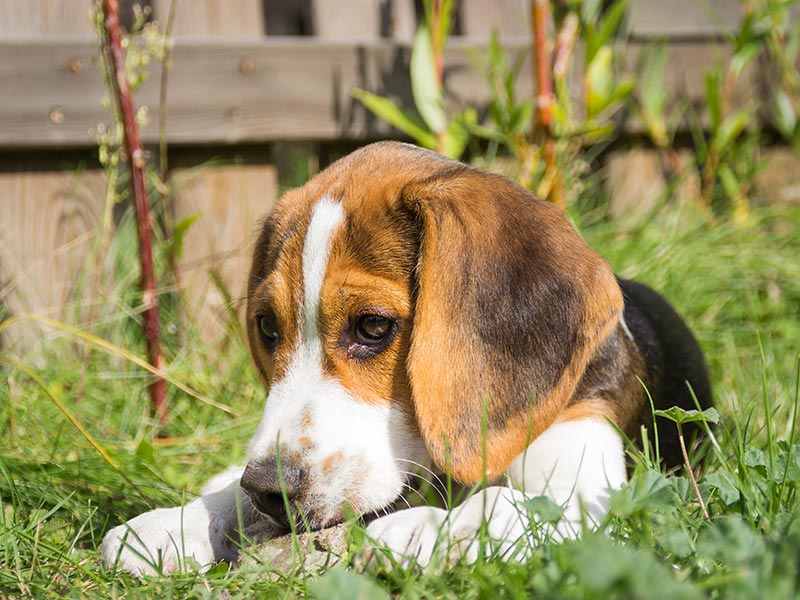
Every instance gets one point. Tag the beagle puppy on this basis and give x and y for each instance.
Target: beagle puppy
(409, 314)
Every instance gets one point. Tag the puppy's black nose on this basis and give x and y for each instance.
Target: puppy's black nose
(262, 482)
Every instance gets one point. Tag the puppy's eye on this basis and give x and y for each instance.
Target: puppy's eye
(371, 330)
(268, 328)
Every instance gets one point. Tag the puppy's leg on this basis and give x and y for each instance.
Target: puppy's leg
(575, 463)
(205, 530)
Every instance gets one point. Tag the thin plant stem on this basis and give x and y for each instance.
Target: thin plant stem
(136, 160)
(543, 115)
(688, 466)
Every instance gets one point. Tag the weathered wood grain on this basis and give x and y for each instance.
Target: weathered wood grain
(348, 20)
(48, 221)
(509, 18)
(678, 19)
(228, 202)
(45, 18)
(258, 91)
(241, 19)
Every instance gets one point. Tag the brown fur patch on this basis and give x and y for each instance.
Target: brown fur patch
(306, 419)
(588, 408)
(332, 463)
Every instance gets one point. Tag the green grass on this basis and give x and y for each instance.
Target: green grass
(737, 284)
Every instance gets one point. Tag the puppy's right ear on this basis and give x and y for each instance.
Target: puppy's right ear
(510, 306)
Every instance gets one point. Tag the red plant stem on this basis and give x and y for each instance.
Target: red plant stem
(540, 12)
(688, 466)
(136, 161)
(543, 116)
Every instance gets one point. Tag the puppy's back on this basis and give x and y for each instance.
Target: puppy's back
(673, 358)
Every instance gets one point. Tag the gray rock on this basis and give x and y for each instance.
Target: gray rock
(307, 551)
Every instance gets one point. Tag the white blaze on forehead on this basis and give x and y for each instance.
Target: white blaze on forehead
(376, 442)
(304, 382)
(325, 220)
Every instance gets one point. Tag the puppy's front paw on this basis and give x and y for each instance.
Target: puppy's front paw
(410, 535)
(493, 522)
(161, 541)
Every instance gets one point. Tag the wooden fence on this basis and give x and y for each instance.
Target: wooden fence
(243, 75)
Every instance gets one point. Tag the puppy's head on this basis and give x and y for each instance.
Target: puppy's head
(405, 310)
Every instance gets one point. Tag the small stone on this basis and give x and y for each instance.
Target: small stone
(317, 549)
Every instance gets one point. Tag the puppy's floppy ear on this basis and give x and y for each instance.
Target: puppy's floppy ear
(510, 306)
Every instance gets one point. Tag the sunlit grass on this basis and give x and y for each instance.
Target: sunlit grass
(737, 284)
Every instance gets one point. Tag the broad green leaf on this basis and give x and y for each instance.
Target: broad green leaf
(486, 133)
(725, 487)
(647, 490)
(676, 541)
(219, 570)
(744, 56)
(397, 116)
(680, 415)
(730, 129)
(654, 93)
(521, 117)
(590, 10)
(599, 81)
(342, 584)
(612, 18)
(593, 131)
(730, 540)
(681, 485)
(785, 119)
(622, 91)
(425, 86)
(181, 228)
(729, 181)
(654, 96)
(145, 451)
(755, 459)
(545, 509)
(457, 135)
(713, 84)
(609, 569)
(787, 465)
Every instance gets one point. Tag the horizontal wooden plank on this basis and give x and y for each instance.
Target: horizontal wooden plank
(255, 91)
(45, 18)
(214, 18)
(683, 18)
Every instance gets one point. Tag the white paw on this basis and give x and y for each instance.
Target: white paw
(161, 541)
(410, 535)
(493, 522)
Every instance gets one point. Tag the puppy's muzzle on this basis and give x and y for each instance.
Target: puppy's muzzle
(267, 486)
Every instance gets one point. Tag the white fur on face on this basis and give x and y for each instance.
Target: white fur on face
(354, 453)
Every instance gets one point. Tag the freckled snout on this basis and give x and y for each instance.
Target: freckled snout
(266, 486)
